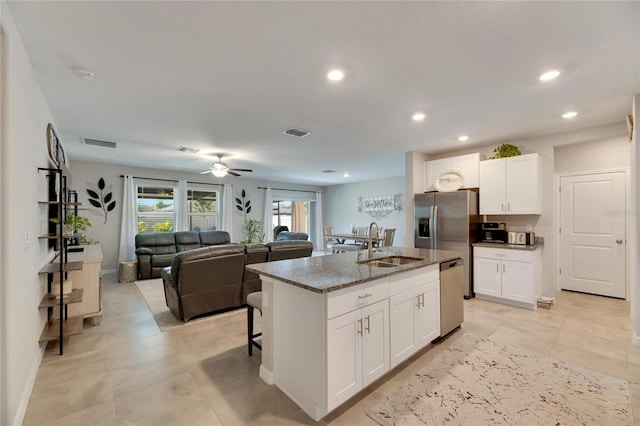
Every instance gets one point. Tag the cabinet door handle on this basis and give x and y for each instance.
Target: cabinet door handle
(422, 297)
(364, 296)
(360, 327)
(619, 241)
(502, 207)
(418, 305)
(509, 207)
(497, 268)
(368, 326)
(504, 268)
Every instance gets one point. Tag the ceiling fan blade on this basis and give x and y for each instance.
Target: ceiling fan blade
(205, 172)
(241, 170)
(232, 173)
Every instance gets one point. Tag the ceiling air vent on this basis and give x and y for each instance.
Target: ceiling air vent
(296, 132)
(187, 149)
(96, 142)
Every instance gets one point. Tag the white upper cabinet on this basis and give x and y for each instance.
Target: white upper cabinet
(467, 165)
(511, 185)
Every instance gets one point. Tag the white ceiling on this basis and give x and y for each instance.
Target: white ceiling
(230, 77)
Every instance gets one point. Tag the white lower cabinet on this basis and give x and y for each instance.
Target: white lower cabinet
(504, 275)
(326, 347)
(415, 320)
(358, 351)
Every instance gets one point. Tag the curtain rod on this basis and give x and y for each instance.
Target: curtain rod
(284, 189)
(173, 180)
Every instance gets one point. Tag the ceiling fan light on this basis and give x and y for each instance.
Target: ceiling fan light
(219, 172)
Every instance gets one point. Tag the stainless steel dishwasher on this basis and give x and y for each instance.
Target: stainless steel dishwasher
(451, 296)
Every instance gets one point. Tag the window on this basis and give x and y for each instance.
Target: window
(202, 209)
(155, 211)
(292, 214)
(157, 208)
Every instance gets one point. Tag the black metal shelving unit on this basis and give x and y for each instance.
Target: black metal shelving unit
(59, 202)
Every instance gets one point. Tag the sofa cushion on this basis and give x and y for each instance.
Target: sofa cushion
(288, 235)
(256, 253)
(158, 242)
(187, 240)
(162, 260)
(279, 250)
(214, 238)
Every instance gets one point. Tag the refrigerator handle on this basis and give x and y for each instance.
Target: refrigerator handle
(434, 221)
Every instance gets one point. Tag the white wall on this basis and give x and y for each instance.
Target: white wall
(108, 234)
(634, 223)
(341, 206)
(543, 225)
(24, 121)
(601, 154)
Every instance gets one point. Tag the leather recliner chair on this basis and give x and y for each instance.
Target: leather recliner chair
(205, 280)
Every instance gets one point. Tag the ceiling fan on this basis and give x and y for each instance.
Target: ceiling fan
(220, 169)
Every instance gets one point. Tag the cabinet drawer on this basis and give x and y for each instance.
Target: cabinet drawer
(504, 254)
(413, 279)
(357, 296)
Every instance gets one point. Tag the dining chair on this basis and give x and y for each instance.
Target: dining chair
(327, 238)
(387, 240)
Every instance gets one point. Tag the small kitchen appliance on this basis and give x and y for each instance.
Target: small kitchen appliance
(493, 232)
(523, 238)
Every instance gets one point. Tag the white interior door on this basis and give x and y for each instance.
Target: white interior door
(592, 236)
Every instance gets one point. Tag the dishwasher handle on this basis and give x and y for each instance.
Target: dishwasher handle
(451, 264)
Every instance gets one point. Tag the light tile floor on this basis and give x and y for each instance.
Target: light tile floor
(125, 371)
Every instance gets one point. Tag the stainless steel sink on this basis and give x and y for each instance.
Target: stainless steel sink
(390, 261)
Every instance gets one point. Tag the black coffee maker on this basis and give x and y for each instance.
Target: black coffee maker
(493, 232)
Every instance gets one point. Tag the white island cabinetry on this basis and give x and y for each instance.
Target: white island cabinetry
(326, 347)
(414, 313)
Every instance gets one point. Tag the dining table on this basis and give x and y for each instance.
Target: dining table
(341, 238)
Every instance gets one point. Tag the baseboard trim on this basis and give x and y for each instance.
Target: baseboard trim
(266, 375)
(28, 388)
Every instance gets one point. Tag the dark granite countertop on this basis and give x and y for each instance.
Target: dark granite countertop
(323, 274)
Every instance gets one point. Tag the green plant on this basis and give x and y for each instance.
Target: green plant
(142, 226)
(75, 222)
(505, 150)
(163, 226)
(252, 228)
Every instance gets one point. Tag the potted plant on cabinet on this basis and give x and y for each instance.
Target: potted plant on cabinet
(73, 223)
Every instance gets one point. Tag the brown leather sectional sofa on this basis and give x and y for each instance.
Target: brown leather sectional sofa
(212, 279)
(156, 250)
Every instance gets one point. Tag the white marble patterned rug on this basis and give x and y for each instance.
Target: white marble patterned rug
(481, 382)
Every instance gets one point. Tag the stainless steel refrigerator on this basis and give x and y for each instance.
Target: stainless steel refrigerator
(448, 221)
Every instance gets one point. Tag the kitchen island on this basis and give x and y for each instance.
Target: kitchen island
(331, 326)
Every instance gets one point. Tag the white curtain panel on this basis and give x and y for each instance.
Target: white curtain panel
(318, 237)
(181, 203)
(227, 209)
(129, 227)
(267, 216)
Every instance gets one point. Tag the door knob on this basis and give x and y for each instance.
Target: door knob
(619, 241)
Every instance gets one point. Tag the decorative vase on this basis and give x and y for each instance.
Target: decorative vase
(66, 289)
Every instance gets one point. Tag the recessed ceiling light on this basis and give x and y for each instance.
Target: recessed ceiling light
(346, 175)
(549, 75)
(82, 73)
(569, 114)
(418, 116)
(335, 75)
(463, 138)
